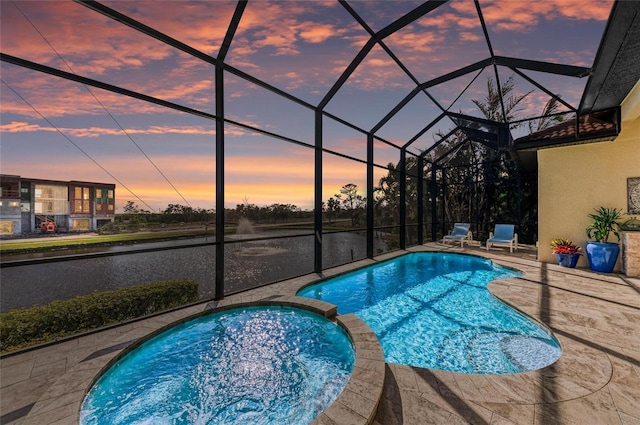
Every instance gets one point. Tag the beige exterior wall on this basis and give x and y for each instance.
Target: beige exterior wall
(575, 180)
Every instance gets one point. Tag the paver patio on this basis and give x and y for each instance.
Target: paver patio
(596, 318)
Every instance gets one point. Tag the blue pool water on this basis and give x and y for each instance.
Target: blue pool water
(434, 310)
(257, 365)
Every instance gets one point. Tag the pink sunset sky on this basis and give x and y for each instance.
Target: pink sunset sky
(57, 129)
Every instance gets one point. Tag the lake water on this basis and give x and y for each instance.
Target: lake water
(247, 265)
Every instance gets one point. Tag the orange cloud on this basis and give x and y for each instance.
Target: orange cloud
(447, 20)
(515, 15)
(276, 25)
(313, 32)
(522, 16)
(379, 71)
(55, 97)
(470, 36)
(92, 132)
(185, 90)
(417, 41)
(577, 58)
(19, 127)
(180, 20)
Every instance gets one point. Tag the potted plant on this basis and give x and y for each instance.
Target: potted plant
(566, 252)
(601, 253)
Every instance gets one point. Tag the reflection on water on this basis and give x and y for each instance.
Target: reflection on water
(247, 264)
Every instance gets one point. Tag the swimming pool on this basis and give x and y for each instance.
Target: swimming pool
(434, 310)
(250, 365)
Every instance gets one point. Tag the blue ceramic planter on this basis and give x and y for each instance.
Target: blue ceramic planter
(602, 256)
(568, 260)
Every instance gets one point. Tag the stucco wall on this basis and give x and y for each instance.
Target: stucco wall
(575, 180)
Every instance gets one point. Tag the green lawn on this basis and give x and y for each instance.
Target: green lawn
(50, 243)
(45, 243)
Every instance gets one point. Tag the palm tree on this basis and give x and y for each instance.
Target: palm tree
(491, 106)
(479, 179)
(548, 117)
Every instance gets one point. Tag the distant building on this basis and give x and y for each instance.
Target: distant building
(35, 205)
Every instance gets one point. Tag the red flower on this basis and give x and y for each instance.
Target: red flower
(565, 246)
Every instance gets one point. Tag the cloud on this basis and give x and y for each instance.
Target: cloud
(89, 42)
(186, 90)
(448, 20)
(93, 132)
(417, 41)
(469, 36)
(514, 15)
(19, 127)
(378, 71)
(525, 15)
(313, 32)
(280, 26)
(576, 58)
(56, 97)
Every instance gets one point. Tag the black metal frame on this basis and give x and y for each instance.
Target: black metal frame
(498, 140)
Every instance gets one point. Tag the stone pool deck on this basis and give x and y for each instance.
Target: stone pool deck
(596, 317)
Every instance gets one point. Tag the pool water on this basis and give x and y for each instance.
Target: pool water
(254, 365)
(433, 310)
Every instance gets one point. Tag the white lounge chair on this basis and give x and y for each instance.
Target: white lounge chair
(460, 233)
(503, 234)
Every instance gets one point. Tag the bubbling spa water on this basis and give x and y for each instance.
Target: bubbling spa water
(253, 365)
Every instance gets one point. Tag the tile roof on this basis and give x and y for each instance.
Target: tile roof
(591, 126)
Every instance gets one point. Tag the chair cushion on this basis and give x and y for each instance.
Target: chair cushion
(503, 232)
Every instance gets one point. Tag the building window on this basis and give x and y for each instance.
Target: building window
(110, 207)
(99, 193)
(80, 224)
(6, 227)
(9, 190)
(82, 204)
(24, 194)
(45, 207)
(51, 199)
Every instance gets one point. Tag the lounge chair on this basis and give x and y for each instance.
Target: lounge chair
(503, 234)
(460, 233)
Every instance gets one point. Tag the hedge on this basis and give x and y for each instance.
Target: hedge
(24, 327)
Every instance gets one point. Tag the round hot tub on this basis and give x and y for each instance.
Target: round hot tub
(258, 365)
